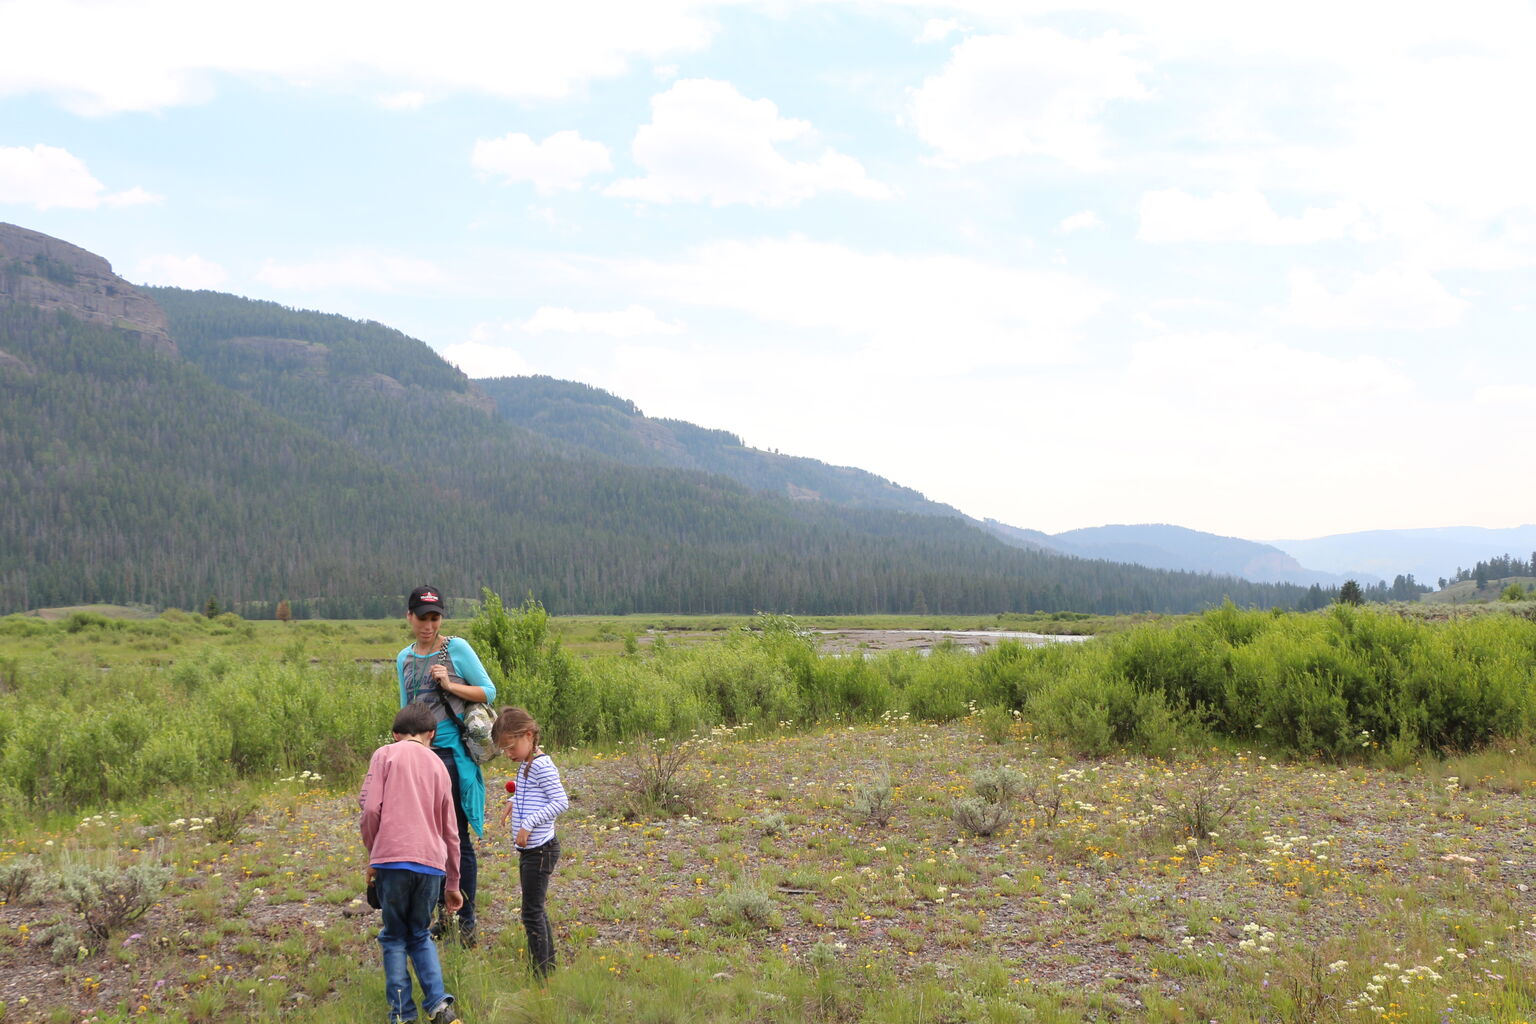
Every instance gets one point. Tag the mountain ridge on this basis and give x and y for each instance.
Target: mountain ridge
(54, 275)
(602, 508)
(269, 453)
(614, 426)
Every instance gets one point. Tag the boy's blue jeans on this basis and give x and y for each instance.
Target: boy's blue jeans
(407, 899)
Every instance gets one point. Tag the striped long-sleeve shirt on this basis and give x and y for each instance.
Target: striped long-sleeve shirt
(538, 800)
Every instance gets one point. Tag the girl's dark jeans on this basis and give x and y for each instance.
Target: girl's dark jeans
(534, 866)
(469, 864)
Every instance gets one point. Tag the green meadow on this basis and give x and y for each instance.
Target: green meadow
(1236, 816)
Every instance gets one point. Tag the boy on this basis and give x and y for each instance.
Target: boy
(412, 838)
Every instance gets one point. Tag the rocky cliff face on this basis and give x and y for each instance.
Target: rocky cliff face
(39, 270)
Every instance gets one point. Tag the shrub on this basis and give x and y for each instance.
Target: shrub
(79, 621)
(1198, 804)
(654, 781)
(981, 817)
(108, 897)
(511, 644)
(21, 878)
(941, 686)
(228, 819)
(991, 807)
(23, 626)
(741, 684)
(632, 697)
(999, 785)
(531, 669)
(1008, 674)
(1075, 718)
(1294, 696)
(997, 723)
(1190, 665)
(1045, 798)
(747, 905)
(1083, 709)
(829, 686)
(63, 942)
(874, 802)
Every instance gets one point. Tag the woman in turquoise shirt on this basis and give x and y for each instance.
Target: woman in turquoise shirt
(447, 675)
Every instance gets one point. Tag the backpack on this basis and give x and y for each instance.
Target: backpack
(475, 723)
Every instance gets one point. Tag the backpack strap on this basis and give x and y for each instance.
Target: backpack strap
(446, 660)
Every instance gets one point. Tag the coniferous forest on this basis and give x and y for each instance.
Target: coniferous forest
(289, 455)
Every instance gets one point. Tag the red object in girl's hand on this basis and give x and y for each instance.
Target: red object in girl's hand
(511, 786)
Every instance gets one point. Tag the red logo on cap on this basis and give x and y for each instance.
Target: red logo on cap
(429, 596)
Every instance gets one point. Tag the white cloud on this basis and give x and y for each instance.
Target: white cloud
(1516, 397)
(1371, 105)
(1382, 106)
(492, 349)
(1035, 92)
(46, 176)
(1435, 238)
(626, 323)
(479, 359)
(1400, 298)
(181, 271)
(404, 102)
(131, 197)
(948, 313)
(153, 54)
(1207, 372)
(1084, 221)
(936, 30)
(708, 143)
(360, 271)
(1173, 215)
(559, 162)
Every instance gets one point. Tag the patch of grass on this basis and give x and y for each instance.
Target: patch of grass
(1089, 903)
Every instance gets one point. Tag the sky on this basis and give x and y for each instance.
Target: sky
(1262, 270)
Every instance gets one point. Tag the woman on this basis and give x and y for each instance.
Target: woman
(447, 676)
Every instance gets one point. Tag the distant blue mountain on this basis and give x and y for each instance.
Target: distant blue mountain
(1161, 546)
(1428, 554)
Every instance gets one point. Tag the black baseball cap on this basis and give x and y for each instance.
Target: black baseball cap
(425, 599)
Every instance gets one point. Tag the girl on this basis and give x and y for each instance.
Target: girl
(536, 800)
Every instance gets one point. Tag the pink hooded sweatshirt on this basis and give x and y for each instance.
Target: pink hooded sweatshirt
(408, 810)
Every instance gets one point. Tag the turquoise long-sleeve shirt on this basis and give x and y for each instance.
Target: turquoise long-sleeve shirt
(411, 669)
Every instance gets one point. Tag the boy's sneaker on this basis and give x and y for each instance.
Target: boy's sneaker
(446, 1013)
